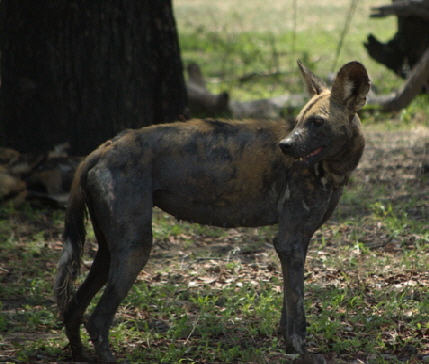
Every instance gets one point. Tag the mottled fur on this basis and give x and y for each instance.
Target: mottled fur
(224, 173)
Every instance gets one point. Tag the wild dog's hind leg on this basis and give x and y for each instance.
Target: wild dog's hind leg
(123, 207)
(97, 278)
(301, 214)
(125, 266)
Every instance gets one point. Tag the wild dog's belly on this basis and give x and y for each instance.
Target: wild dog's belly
(224, 192)
(220, 213)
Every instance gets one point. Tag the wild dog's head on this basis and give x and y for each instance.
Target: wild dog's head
(328, 128)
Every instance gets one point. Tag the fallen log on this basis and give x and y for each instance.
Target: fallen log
(204, 104)
(201, 102)
(271, 108)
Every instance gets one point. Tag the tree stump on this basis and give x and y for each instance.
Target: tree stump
(404, 51)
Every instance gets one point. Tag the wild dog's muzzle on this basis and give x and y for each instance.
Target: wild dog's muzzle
(299, 153)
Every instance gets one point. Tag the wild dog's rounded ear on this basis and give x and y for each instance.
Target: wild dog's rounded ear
(351, 85)
(313, 84)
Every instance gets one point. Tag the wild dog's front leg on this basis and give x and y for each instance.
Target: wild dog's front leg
(292, 251)
(299, 217)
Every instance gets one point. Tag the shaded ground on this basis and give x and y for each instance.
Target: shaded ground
(392, 177)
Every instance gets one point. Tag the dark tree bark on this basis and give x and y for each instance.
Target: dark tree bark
(80, 71)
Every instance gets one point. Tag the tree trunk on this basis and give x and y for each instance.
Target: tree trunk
(80, 71)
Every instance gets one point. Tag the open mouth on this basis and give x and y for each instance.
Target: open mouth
(310, 157)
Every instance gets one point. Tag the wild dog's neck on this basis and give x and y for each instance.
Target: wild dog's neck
(338, 170)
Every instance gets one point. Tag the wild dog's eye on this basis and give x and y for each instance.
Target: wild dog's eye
(317, 121)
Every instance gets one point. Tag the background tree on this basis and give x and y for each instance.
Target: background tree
(80, 71)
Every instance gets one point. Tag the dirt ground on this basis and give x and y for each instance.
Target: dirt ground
(398, 161)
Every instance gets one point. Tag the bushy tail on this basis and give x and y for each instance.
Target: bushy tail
(68, 267)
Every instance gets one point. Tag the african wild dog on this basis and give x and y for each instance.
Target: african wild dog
(223, 173)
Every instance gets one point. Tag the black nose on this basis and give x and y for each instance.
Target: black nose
(285, 145)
